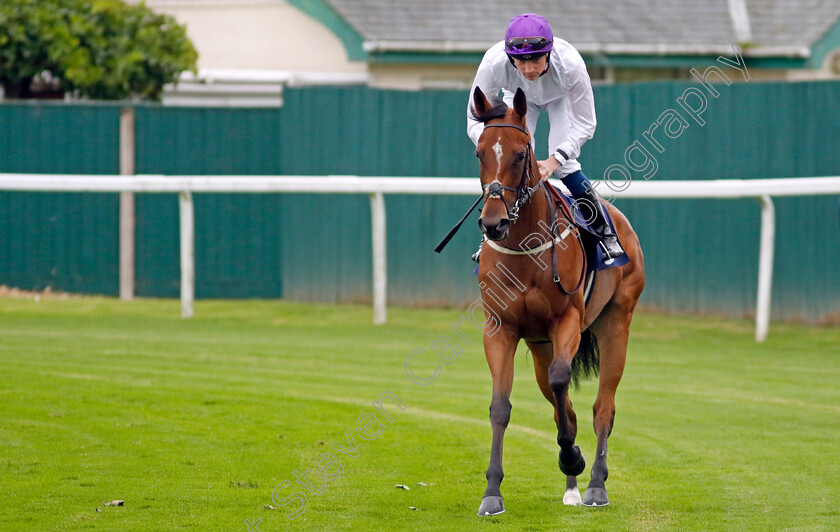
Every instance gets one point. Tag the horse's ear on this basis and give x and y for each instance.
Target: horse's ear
(480, 102)
(520, 105)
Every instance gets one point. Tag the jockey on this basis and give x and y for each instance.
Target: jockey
(553, 76)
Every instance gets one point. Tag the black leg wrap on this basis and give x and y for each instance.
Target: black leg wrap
(572, 463)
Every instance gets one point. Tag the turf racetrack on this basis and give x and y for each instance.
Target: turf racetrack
(194, 423)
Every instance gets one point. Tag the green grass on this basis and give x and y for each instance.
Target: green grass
(194, 422)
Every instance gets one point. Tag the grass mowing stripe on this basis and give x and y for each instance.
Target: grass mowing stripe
(195, 422)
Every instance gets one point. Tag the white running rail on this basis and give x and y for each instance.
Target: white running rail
(377, 187)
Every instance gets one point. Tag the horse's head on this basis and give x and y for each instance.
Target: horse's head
(504, 154)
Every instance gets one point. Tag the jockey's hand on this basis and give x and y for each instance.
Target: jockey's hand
(548, 166)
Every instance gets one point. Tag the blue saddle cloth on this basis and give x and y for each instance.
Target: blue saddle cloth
(594, 253)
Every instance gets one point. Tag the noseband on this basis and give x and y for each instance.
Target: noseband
(495, 190)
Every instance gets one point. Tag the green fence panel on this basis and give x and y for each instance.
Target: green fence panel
(238, 236)
(360, 131)
(701, 255)
(806, 283)
(63, 241)
(320, 244)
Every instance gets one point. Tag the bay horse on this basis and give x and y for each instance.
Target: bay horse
(545, 306)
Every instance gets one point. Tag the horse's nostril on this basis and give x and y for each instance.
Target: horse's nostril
(495, 231)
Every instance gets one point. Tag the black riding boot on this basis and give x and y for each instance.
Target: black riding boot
(609, 242)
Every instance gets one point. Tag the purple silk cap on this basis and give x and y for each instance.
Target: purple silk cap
(528, 34)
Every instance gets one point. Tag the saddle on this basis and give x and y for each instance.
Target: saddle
(594, 254)
(567, 207)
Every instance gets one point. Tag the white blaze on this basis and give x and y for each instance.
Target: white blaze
(497, 149)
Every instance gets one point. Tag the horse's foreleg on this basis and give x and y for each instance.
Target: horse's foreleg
(566, 338)
(499, 352)
(543, 354)
(612, 330)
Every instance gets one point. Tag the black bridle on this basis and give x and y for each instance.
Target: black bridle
(523, 191)
(495, 190)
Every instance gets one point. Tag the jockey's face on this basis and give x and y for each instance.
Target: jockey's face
(531, 69)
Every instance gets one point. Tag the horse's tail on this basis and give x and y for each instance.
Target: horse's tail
(587, 360)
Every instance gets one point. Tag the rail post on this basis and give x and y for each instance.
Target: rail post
(380, 258)
(765, 268)
(127, 205)
(187, 218)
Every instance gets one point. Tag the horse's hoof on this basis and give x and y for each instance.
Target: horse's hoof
(492, 505)
(572, 497)
(575, 468)
(595, 497)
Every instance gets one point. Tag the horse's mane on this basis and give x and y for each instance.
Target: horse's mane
(497, 111)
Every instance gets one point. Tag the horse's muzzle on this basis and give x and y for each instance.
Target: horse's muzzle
(495, 231)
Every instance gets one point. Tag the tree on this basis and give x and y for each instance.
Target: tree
(99, 49)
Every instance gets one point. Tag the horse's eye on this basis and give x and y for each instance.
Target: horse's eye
(520, 157)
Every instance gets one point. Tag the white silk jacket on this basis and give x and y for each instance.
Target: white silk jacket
(564, 92)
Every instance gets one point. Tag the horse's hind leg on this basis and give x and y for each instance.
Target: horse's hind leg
(543, 354)
(499, 351)
(612, 330)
